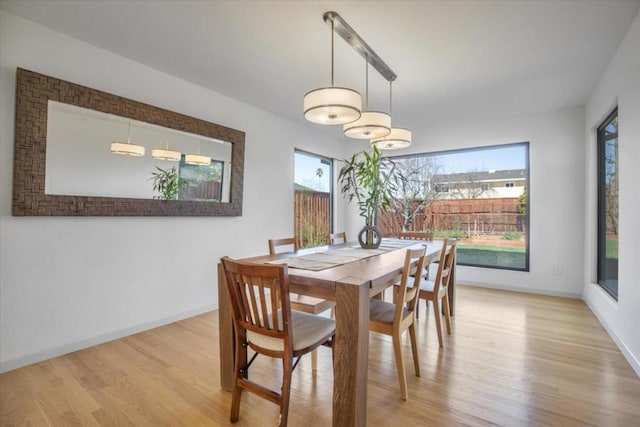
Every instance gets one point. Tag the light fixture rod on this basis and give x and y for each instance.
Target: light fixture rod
(345, 31)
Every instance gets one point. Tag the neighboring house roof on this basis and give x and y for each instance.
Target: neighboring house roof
(488, 176)
(300, 187)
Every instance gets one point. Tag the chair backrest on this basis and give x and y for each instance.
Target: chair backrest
(274, 244)
(414, 235)
(256, 291)
(445, 265)
(408, 296)
(337, 238)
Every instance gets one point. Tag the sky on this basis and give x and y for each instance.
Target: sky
(495, 158)
(306, 167)
(460, 161)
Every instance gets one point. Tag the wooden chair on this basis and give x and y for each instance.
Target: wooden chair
(302, 303)
(337, 238)
(414, 235)
(395, 318)
(263, 320)
(438, 290)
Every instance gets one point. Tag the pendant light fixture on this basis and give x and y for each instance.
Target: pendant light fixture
(371, 124)
(166, 154)
(197, 159)
(398, 137)
(127, 148)
(332, 105)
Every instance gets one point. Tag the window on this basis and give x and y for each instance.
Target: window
(450, 194)
(313, 195)
(202, 183)
(608, 204)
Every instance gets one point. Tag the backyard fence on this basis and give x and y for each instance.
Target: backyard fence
(312, 217)
(472, 216)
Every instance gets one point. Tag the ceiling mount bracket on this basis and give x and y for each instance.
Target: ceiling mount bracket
(345, 31)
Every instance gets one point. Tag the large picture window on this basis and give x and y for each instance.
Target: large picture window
(608, 204)
(477, 195)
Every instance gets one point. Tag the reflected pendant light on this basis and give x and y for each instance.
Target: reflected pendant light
(332, 105)
(398, 137)
(127, 148)
(166, 154)
(197, 159)
(371, 124)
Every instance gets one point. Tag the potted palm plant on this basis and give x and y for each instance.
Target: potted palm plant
(370, 179)
(167, 183)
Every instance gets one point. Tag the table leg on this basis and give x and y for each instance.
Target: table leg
(351, 350)
(225, 330)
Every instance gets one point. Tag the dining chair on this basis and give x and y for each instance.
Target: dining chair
(263, 320)
(415, 235)
(299, 302)
(395, 318)
(337, 238)
(437, 291)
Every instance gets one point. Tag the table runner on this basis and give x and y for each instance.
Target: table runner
(330, 256)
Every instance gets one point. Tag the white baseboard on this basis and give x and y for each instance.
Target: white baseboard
(626, 352)
(90, 342)
(548, 292)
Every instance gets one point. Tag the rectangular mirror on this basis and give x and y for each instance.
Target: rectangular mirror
(80, 151)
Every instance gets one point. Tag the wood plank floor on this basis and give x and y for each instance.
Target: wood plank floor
(513, 360)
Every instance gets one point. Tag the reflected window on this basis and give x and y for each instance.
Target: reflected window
(608, 204)
(201, 182)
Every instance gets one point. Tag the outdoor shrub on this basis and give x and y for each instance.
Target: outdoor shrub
(449, 234)
(510, 235)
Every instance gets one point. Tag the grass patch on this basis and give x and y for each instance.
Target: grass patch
(612, 249)
(491, 248)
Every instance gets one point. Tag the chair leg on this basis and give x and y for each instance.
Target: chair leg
(397, 347)
(414, 348)
(314, 360)
(437, 316)
(236, 394)
(447, 314)
(287, 370)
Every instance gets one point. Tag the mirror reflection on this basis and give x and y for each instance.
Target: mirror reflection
(90, 153)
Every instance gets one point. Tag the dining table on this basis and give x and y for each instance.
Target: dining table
(350, 284)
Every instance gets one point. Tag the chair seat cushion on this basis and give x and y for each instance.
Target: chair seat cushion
(307, 330)
(382, 311)
(427, 285)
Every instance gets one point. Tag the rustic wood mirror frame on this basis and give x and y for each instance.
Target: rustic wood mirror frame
(33, 92)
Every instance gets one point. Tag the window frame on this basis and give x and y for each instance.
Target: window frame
(601, 232)
(331, 180)
(527, 219)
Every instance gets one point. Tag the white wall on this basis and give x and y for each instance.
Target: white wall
(556, 193)
(619, 85)
(67, 282)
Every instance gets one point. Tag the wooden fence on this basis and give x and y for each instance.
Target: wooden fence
(312, 216)
(473, 216)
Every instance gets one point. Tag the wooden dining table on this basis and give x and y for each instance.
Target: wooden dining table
(350, 285)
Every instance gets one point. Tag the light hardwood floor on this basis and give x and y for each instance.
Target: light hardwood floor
(513, 360)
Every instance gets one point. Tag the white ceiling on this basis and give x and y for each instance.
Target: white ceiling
(451, 57)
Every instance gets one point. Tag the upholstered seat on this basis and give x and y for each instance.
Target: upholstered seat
(307, 329)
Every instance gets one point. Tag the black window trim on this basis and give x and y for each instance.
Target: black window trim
(602, 229)
(526, 144)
